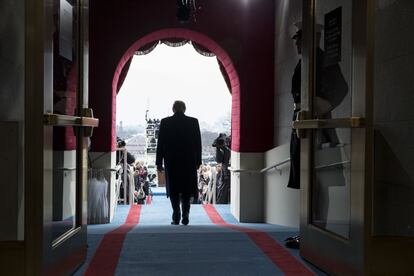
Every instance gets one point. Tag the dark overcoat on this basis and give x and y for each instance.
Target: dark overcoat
(179, 148)
(331, 86)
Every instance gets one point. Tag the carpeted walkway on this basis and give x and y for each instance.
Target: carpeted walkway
(141, 241)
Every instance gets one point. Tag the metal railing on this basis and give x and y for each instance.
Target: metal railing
(274, 166)
(338, 165)
(127, 198)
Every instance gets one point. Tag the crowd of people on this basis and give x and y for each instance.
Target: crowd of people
(141, 182)
(213, 180)
(137, 173)
(207, 182)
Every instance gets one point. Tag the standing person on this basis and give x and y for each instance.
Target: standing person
(294, 177)
(223, 153)
(179, 149)
(331, 88)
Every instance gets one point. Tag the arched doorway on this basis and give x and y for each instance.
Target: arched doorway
(203, 45)
(175, 37)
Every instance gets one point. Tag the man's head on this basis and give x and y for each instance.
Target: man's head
(298, 35)
(178, 106)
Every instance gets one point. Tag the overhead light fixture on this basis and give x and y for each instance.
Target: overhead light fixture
(185, 10)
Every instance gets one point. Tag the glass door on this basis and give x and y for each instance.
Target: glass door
(331, 126)
(67, 126)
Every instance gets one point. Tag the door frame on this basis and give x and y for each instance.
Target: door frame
(327, 250)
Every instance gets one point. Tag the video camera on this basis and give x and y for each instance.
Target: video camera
(222, 145)
(222, 141)
(120, 143)
(184, 10)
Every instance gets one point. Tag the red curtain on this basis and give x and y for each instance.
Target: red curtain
(202, 50)
(123, 75)
(225, 75)
(144, 50)
(147, 48)
(172, 42)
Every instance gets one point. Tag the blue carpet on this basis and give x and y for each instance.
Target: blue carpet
(155, 247)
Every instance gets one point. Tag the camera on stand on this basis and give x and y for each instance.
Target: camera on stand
(222, 141)
(222, 145)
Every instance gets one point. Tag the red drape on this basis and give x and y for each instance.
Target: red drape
(225, 75)
(202, 50)
(123, 74)
(147, 48)
(174, 42)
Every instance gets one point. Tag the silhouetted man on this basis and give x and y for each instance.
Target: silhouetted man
(179, 148)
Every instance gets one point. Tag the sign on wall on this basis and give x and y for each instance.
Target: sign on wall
(333, 34)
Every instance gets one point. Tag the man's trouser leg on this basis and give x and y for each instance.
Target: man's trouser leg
(175, 204)
(185, 207)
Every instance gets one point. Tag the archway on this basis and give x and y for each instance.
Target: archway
(147, 42)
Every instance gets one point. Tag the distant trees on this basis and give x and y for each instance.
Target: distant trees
(136, 137)
(127, 132)
(207, 138)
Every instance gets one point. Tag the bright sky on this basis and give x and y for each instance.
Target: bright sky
(156, 80)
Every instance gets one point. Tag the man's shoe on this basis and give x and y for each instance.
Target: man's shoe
(185, 221)
(291, 238)
(293, 243)
(174, 222)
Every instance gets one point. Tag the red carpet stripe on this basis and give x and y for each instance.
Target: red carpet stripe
(106, 257)
(149, 199)
(276, 253)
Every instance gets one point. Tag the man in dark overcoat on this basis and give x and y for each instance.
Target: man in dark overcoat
(179, 150)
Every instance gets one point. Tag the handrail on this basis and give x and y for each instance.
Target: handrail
(336, 164)
(111, 169)
(124, 167)
(242, 170)
(287, 160)
(262, 170)
(66, 169)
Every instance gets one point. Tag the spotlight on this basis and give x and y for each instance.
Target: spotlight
(185, 9)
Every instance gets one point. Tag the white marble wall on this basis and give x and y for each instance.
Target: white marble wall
(246, 190)
(287, 13)
(394, 118)
(281, 204)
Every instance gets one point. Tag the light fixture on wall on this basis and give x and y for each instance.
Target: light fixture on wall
(185, 10)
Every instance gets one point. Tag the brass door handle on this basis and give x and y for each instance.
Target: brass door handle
(52, 119)
(87, 121)
(352, 122)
